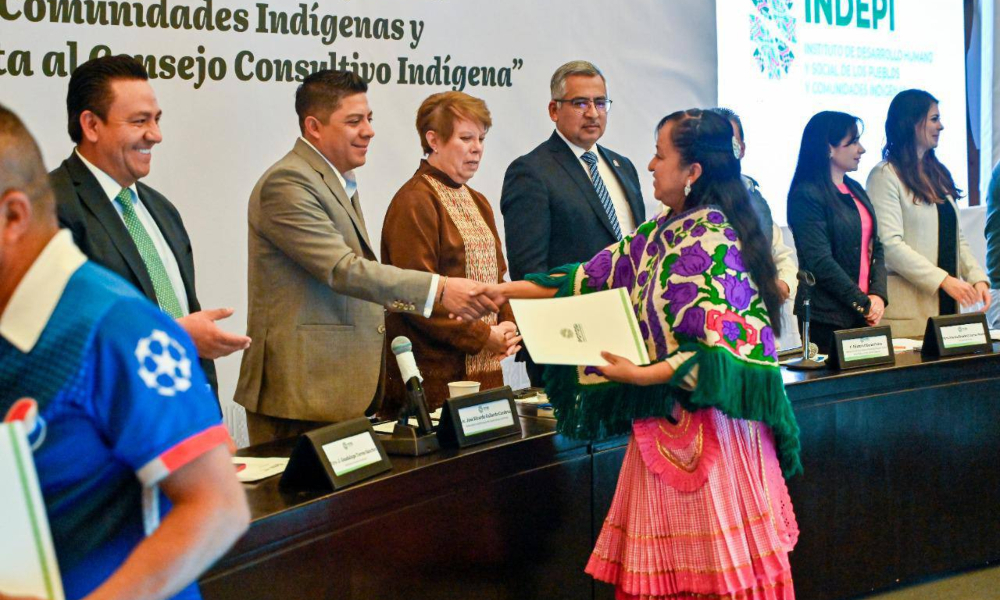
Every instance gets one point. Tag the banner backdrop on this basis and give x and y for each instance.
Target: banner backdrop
(225, 73)
(786, 60)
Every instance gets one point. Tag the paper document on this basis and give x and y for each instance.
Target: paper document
(574, 330)
(906, 345)
(252, 468)
(27, 558)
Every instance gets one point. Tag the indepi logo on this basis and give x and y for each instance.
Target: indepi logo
(863, 14)
(772, 30)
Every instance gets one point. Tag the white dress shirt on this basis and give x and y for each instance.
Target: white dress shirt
(618, 197)
(349, 182)
(111, 189)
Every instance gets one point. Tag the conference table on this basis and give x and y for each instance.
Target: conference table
(901, 484)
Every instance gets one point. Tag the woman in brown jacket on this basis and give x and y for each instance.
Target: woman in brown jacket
(436, 223)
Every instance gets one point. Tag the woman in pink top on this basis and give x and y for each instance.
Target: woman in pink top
(835, 229)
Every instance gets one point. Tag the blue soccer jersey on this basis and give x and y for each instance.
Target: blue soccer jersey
(133, 407)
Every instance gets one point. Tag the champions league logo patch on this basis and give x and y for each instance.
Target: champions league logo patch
(772, 30)
(163, 364)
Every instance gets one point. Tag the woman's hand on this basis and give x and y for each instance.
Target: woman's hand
(784, 290)
(962, 292)
(876, 310)
(621, 369)
(983, 290)
(504, 339)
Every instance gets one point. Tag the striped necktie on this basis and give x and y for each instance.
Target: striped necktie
(590, 158)
(166, 297)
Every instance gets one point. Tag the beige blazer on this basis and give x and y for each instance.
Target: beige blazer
(316, 296)
(909, 234)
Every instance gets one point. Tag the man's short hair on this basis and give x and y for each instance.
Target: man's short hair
(732, 116)
(574, 67)
(90, 88)
(321, 93)
(439, 112)
(21, 166)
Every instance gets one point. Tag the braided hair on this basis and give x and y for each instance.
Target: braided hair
(706, 138)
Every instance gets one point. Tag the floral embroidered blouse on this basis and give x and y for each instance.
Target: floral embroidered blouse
(697, 309)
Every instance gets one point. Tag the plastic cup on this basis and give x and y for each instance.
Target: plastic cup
(462, 388)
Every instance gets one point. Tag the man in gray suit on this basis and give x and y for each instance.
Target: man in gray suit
(316, 288)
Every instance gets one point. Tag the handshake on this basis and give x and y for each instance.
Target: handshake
(468, 300)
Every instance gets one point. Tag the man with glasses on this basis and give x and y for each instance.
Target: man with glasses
(568, 198)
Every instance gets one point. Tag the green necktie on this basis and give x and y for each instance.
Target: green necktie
(165, 295)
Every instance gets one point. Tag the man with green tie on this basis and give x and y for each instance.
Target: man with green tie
(119, 222)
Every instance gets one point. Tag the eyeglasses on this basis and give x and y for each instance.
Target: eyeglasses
(581, 105)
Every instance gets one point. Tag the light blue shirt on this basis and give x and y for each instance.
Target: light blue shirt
(111, 189)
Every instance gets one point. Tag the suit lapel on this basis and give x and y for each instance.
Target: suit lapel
(93, 197)
(562, 154)
(862, 196)
(175, 238)
(631, 192)
(317, 162)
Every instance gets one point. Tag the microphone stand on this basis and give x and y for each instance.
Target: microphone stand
(806, 283)
(406, 439)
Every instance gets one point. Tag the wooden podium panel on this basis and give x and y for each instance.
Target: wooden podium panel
(901, 483)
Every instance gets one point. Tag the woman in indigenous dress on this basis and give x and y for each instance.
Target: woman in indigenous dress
(437, 223)
(835, 230)
(931, 269)
(701, 509)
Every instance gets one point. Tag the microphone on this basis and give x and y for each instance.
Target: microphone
(403, 349)
(808, 282)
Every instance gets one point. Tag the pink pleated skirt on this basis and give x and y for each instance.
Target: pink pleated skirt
(701, 511)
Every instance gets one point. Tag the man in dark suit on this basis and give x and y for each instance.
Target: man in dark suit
(122, 224)
(568, 198)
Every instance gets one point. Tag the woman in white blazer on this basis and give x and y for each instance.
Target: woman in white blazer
(931, 269)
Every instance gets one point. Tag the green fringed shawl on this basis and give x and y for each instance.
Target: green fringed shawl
(724, 324)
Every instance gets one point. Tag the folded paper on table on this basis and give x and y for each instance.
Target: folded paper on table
(575, 330)
(906, 345)
(27, 558)
(253, 468)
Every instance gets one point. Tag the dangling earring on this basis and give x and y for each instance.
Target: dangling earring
(687, 188)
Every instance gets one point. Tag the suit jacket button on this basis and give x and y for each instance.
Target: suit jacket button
(380, 329)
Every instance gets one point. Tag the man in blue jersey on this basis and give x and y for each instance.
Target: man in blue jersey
(132, 459)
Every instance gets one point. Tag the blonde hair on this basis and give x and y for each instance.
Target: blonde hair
(439, 112)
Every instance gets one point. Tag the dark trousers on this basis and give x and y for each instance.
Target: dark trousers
(264, 428)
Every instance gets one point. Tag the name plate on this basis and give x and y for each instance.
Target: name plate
(862, 347)
(953, 335)
(478, 418)
(336, 456)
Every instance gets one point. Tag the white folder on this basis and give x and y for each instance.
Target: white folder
(574, 330)
(27, 558)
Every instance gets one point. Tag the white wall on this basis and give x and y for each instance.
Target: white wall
(658, 56)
